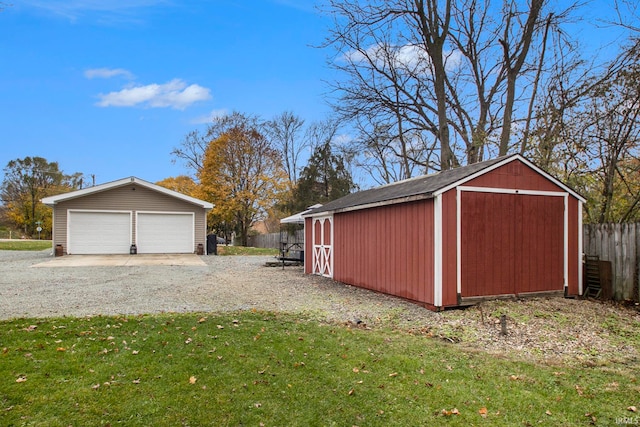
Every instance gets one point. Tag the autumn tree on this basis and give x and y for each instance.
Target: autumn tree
(26, 182)
(242, 173)
(182, 184)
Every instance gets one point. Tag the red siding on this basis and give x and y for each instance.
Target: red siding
(514, 175)
(511, 244)
(449, 249)
(537, 240)
(387, 249)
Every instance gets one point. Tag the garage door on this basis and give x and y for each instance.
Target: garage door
(511, 244)
(171, 233)
(98, 232)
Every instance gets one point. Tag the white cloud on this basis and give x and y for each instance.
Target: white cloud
(175, 94)
(107, 73)
(411, 57)
(208, 118)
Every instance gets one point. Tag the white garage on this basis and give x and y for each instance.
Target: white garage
(91, 232)
(160, 232)
(126, 216)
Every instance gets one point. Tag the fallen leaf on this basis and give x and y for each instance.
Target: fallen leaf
(192, 379)
(356, 370)
(31, 328)
(202, 320)
(455, 411)
(395, 374)
(483, 412)
(135, 352)
(351, 392)
(188, 341)
(21, 379)
(136, 381)
(61, 349)
(220, 326)
(592, 417)
(632, 409)
(257, 405)
(95, 386)
(547, 412)
(514, 378)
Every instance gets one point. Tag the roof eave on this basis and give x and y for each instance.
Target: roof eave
(53, 200)
(412, 198)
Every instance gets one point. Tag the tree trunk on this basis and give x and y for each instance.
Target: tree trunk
(513, 65)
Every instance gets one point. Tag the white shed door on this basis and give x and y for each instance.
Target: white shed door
(98, 232)
(169, 233)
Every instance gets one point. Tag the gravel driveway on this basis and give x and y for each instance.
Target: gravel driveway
(225, 283)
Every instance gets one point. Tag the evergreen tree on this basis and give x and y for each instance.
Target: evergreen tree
(325, 178)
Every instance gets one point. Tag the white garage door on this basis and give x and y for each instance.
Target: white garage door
(170, 233)
(98, 232)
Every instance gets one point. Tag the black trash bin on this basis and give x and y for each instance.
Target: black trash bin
(212, 244)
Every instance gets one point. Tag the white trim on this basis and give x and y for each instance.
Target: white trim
(70, 249)
(458, 241)
(512, 191)
(564, 195)
(502, 163)
(566, 241)
(580, 248)
(437, 251)
(53, 200)
(193, 224)
(322, 255)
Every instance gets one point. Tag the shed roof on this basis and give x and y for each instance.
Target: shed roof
(298, 217)
(53, 200)
(424, 187)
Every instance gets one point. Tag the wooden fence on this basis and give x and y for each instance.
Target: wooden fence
(272, 240)
(620, 244)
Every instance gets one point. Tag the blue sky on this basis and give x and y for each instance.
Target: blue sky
(110, 87)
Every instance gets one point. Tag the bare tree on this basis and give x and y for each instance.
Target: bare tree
(285, 132)
(191, 151)
(448, 73)
(515, 55)
(588, 133)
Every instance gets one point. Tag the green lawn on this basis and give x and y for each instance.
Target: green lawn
(24, 245)
(244, 250)
(258, 368)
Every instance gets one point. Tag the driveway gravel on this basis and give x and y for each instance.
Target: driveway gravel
(29, 288)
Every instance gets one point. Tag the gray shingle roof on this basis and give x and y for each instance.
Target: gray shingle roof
(423, 186)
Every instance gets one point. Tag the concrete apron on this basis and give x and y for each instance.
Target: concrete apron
(123, 260)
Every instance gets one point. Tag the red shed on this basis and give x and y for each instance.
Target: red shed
(502, 227)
